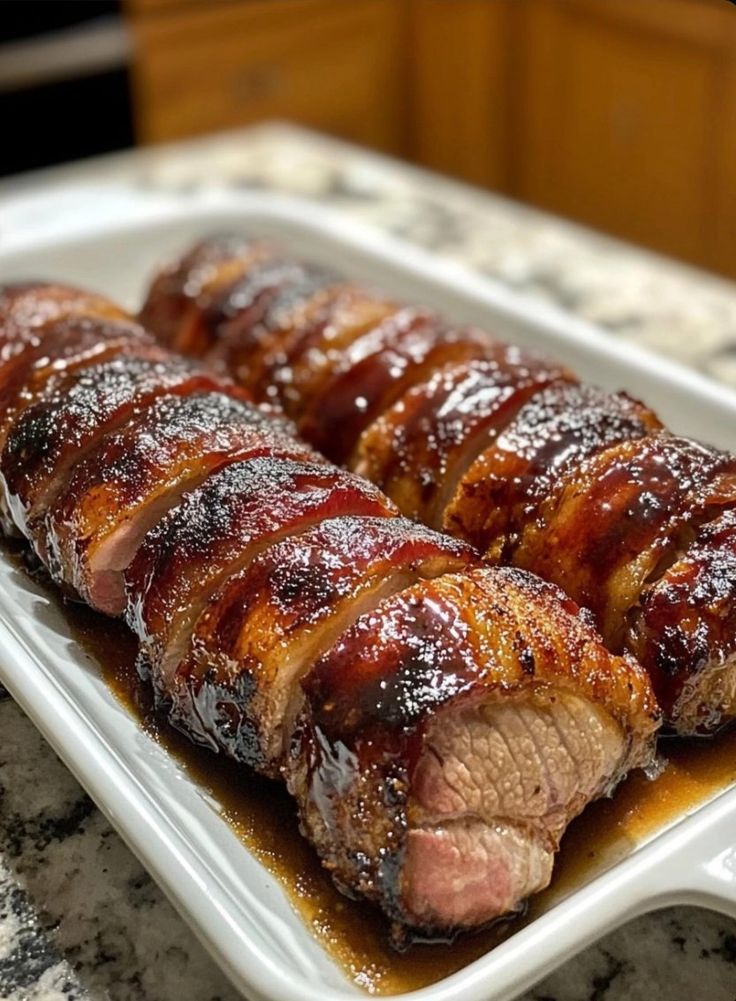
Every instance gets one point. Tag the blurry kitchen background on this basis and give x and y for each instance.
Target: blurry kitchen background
(618, 113)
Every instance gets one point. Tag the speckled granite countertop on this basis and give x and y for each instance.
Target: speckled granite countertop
(79, 917)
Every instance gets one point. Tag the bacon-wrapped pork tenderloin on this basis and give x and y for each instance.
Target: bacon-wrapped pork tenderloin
(490, 443)
(259, 578)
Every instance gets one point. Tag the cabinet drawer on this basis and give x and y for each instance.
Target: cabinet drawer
(333, 65)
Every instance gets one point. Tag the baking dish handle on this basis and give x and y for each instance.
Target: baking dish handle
(718, 877)
(703, 871)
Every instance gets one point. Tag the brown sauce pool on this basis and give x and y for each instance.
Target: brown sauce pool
(355, 934)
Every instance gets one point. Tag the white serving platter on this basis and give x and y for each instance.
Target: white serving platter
(110, 241)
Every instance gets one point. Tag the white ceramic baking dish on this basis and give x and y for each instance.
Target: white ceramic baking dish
(110, 241)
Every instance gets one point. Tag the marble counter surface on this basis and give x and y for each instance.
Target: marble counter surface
(79, 917)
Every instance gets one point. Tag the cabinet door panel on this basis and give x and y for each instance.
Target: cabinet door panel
(329, 64)
(621, 115)
(460, 62)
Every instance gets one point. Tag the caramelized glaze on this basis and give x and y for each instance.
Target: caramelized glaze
(355, 934)
(417, 450)
(552, 434)
(604, 530)
(76, 409)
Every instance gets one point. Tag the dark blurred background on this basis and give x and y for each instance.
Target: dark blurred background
(617, 113)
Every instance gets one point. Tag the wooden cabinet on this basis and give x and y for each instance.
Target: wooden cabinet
(329, 64)
(623, 114)
(617, 113)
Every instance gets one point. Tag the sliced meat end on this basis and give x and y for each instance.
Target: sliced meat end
(495, 787)
(465, 873)
(236, 689)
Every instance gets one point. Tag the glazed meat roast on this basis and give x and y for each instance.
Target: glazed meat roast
(438, 721)
(492, 444)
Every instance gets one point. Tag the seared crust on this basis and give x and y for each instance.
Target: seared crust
(182, 293)
(77, 342)
(267, 624)
(27, 308)
(248, 317)
(218, 528)
(417, 450)
(128, 482)
(510, 630)
(305, 338)
(74, 411)
(684, 628)
(374, 372)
